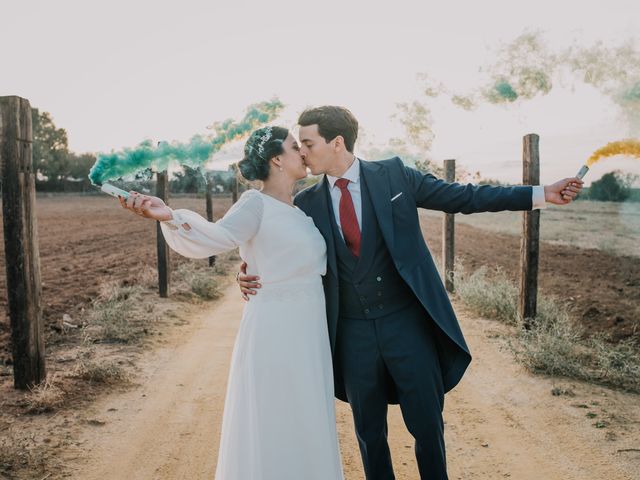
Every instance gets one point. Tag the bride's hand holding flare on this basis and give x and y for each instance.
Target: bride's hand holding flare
(146, 206)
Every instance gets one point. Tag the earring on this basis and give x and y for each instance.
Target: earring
(281, 169)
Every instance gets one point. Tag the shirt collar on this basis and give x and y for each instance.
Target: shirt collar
(352, 174)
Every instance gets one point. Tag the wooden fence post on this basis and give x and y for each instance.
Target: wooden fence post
(234, 194)
(209, 201)
(235, 185)
(530, 243)
(21, 242)
(164, 266)
(448, 233)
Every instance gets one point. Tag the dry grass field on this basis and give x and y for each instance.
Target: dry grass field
(589, 258)
(611, 227)
(87, 242)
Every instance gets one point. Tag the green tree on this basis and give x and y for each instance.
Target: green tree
(50, 147)
(612, 187)
(79, 166)
(190, 180)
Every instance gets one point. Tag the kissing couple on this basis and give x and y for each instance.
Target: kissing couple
(345, 300)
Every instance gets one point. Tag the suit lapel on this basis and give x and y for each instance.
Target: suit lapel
(380, 195)
(318, 209)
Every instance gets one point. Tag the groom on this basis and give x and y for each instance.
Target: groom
(394, 335)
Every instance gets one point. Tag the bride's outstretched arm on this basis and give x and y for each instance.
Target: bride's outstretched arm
(193, 236)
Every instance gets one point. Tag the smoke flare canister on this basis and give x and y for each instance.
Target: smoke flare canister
(583, 171)
(114, 191)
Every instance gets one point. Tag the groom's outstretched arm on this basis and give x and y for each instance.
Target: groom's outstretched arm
(437, 194)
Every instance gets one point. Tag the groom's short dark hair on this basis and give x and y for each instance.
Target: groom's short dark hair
(332, 121)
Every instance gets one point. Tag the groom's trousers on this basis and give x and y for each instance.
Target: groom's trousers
(397, 351)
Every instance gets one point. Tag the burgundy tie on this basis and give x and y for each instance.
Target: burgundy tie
(348, 219)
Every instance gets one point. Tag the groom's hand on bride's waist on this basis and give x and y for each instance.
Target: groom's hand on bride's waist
(248, 283)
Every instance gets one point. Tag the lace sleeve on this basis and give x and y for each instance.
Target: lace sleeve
(191, 235)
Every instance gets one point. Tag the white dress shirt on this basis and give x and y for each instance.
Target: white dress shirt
(353, 175)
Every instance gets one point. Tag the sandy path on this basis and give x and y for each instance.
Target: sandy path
(501, 421)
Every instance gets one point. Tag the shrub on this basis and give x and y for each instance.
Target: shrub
(553, 344)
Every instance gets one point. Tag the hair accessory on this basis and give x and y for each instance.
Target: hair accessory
(262, 140)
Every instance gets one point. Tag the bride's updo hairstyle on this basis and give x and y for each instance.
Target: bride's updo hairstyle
(263, 144)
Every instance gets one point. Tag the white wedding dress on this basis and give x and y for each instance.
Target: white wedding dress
(279, 415)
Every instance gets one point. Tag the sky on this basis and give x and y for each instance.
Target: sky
(115, 73)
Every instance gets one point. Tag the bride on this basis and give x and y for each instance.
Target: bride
(279, 414)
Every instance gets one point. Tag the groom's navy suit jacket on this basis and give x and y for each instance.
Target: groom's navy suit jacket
(400, 227)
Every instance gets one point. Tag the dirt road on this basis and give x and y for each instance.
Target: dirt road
(501, 422)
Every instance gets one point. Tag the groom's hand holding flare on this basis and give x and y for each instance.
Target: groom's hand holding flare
(248, 283)
(564, 191)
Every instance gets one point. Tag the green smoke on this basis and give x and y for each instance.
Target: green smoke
(607, 68)
(523, 69)
(468, 102)
(633, 94)
(629, 102)
(502, 91)
(193, 154)
(615, 72)
(431, 87)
